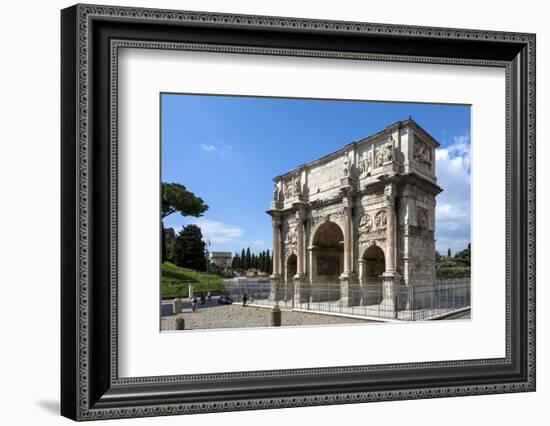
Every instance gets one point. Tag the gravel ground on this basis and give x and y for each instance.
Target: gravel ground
(236, 316)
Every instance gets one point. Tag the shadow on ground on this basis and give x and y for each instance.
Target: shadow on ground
(50, 406)
(167, 309)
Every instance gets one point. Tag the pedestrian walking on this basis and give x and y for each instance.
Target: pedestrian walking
(245, 298)
(194, 304)
(209, 296)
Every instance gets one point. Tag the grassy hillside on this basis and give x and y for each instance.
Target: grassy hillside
(175, 281)
(452, 268)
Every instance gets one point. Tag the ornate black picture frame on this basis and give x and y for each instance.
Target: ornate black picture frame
(91, 387)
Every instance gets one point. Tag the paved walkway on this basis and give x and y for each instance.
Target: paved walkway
(212, 315)
(459, 315)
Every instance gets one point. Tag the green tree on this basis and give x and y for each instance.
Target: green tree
(261, 261)
(176, 198)
(269, 262)
(243, 259)
(449, 253)
(169, 244)
(189, 250)
(248, 259)
(235, 261)
(437, 256)
(464, 255)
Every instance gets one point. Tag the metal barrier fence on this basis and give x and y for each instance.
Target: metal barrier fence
(419, 300)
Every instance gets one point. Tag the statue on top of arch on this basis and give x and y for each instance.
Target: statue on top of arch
(384, 153)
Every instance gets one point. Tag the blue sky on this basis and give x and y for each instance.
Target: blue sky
(228, 149)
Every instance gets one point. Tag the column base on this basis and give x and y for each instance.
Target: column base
(348, 297)
(389, 305)
(275, 280)
(301, 293)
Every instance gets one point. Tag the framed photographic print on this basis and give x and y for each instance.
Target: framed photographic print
(263, 212)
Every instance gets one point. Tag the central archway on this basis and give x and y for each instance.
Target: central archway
(328, 243)
(374, 265)
(327, 261)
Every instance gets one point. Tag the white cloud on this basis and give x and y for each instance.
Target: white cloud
(223, 236)
(220, 148)
(258, 243)
(453, 204)
(452, 211)
(217, 232)
(208, 148)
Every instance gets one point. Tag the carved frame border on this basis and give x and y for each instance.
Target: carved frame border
(82, 398)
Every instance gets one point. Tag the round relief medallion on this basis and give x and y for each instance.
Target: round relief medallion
(365, 222)
(422, 219)
(381, 219)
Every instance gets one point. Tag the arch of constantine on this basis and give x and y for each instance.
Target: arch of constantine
(360, 218)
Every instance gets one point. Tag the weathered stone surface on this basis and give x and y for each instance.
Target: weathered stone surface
(179, 323)
(329, 214)
(176, 306)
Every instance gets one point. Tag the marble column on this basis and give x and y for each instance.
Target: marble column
(312, 265)
(277, 246)
(361, 271)
(391, 234)
(390, 278)
(276, 274)
(312, 274)
(301, 257)
(347, 237)
(362, 281)
(300, 219)
(347, 279)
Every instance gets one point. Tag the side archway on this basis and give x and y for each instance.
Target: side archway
(373, 265)
(291, 266)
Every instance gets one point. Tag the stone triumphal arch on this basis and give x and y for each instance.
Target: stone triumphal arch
(360, 217)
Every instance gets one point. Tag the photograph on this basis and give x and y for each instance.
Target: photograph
(291, 212)
(263, 209)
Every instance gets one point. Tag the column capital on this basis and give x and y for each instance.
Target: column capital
(276, 220)
(300, 213)
(348, 192)
(347, 201)
(390, 191)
